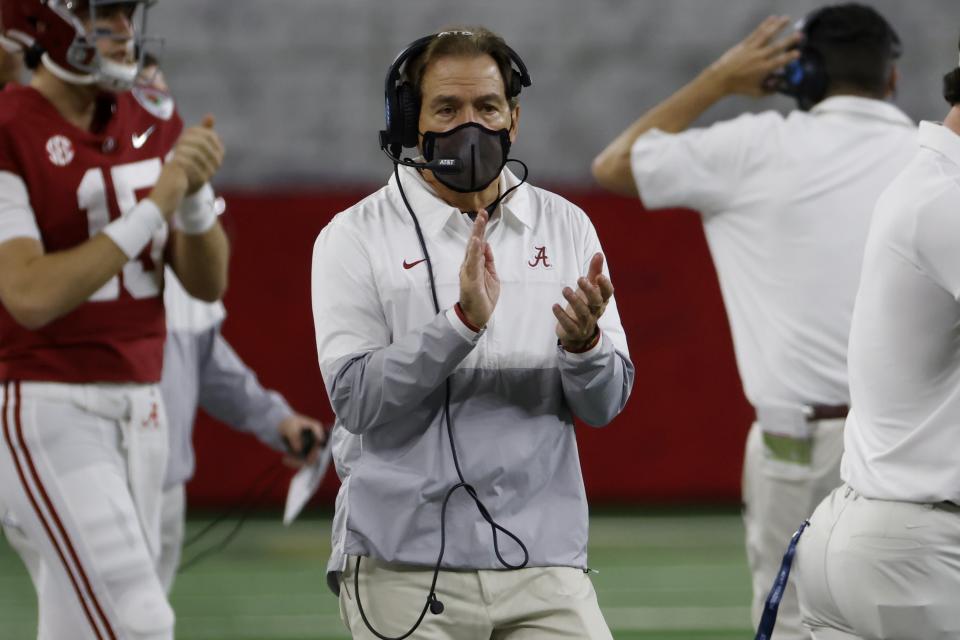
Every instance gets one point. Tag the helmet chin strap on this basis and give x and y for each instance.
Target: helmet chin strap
(64, 74)
(10, 46)
(110, 75)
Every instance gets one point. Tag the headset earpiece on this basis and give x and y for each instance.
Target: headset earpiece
(813, 79)
(513, 84)
(387, 135)
(408, 115)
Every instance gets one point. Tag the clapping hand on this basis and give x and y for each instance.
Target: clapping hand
(577, 322)
(479, 284)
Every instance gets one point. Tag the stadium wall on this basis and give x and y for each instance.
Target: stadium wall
(680, 438)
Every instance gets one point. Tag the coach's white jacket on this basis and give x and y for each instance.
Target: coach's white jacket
(385, 353)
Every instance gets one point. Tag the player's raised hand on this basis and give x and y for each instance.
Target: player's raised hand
(744, 67)
(479, 283)
(577, 322)
(199, 152)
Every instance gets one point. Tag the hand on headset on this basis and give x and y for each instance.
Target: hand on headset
(479, 283)
(745, 67)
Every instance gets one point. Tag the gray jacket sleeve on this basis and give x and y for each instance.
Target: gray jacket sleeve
(596, 384)
(230, 392)
(370, 389)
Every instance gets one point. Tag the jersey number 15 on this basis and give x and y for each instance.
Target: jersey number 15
(142, 276)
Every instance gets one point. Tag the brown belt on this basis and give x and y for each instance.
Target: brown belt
(827, 412)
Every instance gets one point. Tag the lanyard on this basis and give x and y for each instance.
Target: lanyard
(769, 618)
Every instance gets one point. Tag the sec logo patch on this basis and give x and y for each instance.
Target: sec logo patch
(60, 150)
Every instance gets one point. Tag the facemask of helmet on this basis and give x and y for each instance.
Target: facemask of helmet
(481, 154)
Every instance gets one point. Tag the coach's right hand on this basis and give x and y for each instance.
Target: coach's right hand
(479, 284)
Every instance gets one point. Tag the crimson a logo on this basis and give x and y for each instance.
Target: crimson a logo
(540, 259)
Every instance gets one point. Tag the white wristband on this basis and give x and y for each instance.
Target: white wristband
(134, 230)
(197, 213)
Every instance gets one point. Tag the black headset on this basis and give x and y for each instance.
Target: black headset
(402, 99)
(806, 78)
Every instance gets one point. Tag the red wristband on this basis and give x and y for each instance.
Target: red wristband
(590, 345)
(463, 318)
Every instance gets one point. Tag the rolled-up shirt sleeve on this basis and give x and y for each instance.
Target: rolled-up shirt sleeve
(699, 168)
(371, 376)
(16, 216)
(598, 382)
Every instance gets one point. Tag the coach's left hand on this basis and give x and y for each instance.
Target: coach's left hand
(577, 322)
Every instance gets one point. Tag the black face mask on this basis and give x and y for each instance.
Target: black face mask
(481, 154)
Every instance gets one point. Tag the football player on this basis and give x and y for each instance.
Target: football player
(100, 187)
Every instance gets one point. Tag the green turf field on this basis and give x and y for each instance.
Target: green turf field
(660, 576)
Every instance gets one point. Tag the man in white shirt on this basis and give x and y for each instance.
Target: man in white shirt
(449, 371)
(881, 558)
(786, 203)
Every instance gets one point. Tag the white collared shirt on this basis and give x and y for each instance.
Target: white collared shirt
(786, 205)
(903, 436)
(529, 221)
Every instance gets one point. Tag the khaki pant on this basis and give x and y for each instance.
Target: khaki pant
(880, 570)
(777, 498)
(527, 604)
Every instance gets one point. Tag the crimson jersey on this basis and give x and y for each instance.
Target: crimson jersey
(77, 182)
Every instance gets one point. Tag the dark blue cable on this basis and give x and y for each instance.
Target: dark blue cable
(769, 619)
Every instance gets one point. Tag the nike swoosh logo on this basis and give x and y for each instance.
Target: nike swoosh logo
(140, 140)
(411, 265)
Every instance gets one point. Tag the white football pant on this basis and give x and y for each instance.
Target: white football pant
(172, 526)
(81, 472)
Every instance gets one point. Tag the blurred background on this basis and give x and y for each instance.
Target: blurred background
(297, 85)
(297, 90)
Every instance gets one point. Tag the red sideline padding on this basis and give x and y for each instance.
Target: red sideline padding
(681, 437)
